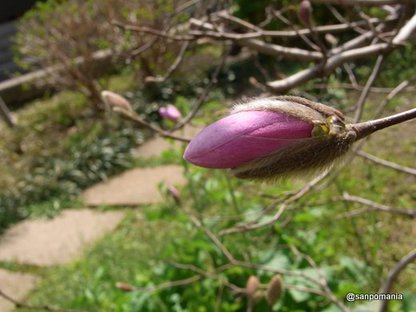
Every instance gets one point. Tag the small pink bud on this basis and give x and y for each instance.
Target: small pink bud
(305, 12)
(170, 112)
(173, 191)
(272, 137)
(116, 100)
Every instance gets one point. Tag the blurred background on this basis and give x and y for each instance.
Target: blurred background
(101, 213)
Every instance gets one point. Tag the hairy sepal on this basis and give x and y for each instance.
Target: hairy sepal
(305, 157)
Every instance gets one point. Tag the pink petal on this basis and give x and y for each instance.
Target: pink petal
(244, 136)
(170, 112)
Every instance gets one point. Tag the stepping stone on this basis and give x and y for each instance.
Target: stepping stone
(56, 241)
(15, 285)
(155, 146)
(138, 186)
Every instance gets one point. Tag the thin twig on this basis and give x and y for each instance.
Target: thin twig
(366, 128)
(387, 164)
(282, 207)
(394, 273)
(141, 122)
(364, 94)
(196, 106)
(170, 284)
(379, 207)
(173, 67)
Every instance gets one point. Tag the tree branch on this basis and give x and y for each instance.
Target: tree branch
(375, 206)
(366, 128)
(394, 273)
(387, 164)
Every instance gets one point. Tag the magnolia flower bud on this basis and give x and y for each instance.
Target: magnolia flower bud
(274, 290)
(124, 286)
(115, 100)
(174, 193)
(272, 137)
(170, 112)
(253, 284)
(331, 39)
(305, 12)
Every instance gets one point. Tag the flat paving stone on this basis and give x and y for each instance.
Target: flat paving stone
(157, 145)
(15, 285)
(138, 186)
(56, 241)
(154, 147)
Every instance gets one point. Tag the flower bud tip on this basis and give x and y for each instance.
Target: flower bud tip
(170, 112)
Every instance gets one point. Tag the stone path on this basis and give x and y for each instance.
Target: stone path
(155, 146)
(135, 187)
(57, 241)
(15, 284)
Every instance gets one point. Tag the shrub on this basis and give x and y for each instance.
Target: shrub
(79, 41)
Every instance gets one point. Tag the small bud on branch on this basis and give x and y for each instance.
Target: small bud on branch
(115, 100)
(274, 290)
(305, 12)
(170, 112)
(253, 284)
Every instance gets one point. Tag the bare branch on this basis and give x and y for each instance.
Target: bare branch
(152, 31)
(170, 284)
(335, 28)
(5, 114)
(366, 128)
(394, 273)
(386, 163)
(296, 196)
(281, 86)
(141, 122)
(173, 67)
(200, 100)
(361, 2)
(258, 45)
(366, 91)
(405, 31)
(379, 207)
